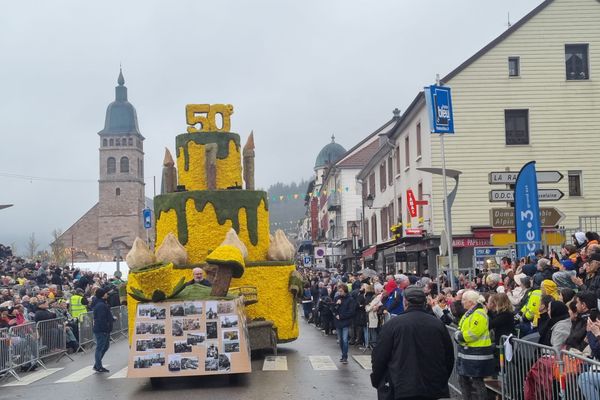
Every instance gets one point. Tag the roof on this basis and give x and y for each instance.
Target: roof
(121, 117)
(361, 157)
(329, 154)
(496, 41)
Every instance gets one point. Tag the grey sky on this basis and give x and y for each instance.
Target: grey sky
(296, 72)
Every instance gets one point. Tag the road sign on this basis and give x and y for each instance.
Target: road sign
(510, 177)
(307, 261)
(439, 109)
(505, 217)
(508, 239)
(319, 252)
(147, 218)
(543, 195)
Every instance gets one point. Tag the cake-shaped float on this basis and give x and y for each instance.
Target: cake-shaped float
(204, 197)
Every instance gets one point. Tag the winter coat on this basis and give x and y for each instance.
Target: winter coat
(103, 319)
(371, 310)
(538, 381)
(362, 318)
(415, 354)
(43, 315)
(592, 284)
(394, 303)
(516, 295)
(542, 275)
(560, 333)
(578, 333)
(344, 313)
(503, 324)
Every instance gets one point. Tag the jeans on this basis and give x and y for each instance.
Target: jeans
(366, 336)
(342, 334)
(589, 384)
(472, 388)
(373, 336)
(307, 308)
(102, 344)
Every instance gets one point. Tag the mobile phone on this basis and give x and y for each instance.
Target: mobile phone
(594, 315)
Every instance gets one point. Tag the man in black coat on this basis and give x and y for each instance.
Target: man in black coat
(414, 355)
(103, 323)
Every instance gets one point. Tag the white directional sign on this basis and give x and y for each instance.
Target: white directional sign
(543, 195)
(510, 177)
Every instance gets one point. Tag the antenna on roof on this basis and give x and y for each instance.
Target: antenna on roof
(508, 21)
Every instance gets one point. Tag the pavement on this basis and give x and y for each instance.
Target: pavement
(307, 368)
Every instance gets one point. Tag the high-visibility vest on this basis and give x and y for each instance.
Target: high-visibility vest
(76, 307)
(475, 328)
(531, 309)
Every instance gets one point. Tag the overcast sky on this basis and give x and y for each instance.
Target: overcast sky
(295, 71)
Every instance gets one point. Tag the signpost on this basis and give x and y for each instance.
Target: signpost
(441, 120)
(505, 217)
(510, 177)
(508, 195)
(413, 203)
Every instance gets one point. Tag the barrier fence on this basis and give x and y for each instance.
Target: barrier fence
(453, 381)
(24, 346)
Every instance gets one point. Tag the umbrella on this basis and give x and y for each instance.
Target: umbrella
(369, 273)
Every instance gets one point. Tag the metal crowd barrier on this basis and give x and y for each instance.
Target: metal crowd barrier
(117, 330)
(23, 346)
(4, 351)
(453, 382)
(580, 377)
(52, 339)
(86, 330)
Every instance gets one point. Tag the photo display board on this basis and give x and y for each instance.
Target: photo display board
(184, 338)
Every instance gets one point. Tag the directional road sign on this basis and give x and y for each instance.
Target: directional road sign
(543, 195)
(510, 177)
(505, 217)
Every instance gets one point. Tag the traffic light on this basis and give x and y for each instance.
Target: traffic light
(396, 230)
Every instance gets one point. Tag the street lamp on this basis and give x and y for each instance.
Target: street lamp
(117, 249)
(355, 247)
(369, 202)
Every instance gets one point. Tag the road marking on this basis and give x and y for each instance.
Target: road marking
(363, 361)
(322, 363)
(33, 377)
(275, 363)
(119, 375)
(79, 375)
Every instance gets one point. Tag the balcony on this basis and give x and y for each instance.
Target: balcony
(334, 202)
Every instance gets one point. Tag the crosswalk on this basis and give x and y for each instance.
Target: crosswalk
(270, 364)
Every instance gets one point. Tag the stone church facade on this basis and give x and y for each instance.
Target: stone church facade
(114, 222)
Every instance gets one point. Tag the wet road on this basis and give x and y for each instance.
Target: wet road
(302, 379)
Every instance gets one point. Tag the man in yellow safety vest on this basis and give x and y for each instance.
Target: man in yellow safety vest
(77, 304)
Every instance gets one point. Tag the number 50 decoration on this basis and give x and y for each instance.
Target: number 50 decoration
(206, 116)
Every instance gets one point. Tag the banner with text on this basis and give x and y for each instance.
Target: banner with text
(527, 212)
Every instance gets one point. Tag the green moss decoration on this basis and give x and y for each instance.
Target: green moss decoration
(200, 292)
(222, 140)
(268, 263)
(226, 203)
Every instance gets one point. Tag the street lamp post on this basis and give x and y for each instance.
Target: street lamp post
(355, 246)
(117, 248)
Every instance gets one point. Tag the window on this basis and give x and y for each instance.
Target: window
(419, 139)
(398, 159)
(406, 152)
(111, 165)
(373, 229)
(366, 237)
(372, 184)
(516, 123)
(384, 223)
(130, 142)
(118, 191)
(117, 141)
(576, 60)
(124, 165)
(111, 142)
(382, 180)
(514, 68)
(390, 171)
(575, 183)
(104, 143)
(391, 216)
(399, 209)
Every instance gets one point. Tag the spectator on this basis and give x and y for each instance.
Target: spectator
(585, 302)
(501, 315)
(344, 311)
(516, 294)
(394, 304)
(558, 327)
(42, 313)
(198, 279)
(399, 362)
(103, 321)
(589, 381)
(549, 288)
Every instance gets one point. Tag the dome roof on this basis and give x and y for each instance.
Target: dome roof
(121, 117)
(329, 154)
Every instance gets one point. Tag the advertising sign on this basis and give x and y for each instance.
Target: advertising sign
(439, 109)
(527, 212)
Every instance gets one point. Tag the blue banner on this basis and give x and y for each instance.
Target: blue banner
(527, 212)
(439, 109)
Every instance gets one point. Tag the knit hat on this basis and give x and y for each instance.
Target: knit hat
(415, 295)
(563, 279)
(529, 269)
(568, 265)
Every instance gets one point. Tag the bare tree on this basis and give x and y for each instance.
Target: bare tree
(59, 255)
(32, 247)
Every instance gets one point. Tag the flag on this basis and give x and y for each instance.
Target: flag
(527, 212)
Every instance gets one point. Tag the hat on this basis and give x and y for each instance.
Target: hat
(100, 293)
(415, 295)
(594, 257)
(568, 265)
(580, 237)
(529, 269)
(519, 279)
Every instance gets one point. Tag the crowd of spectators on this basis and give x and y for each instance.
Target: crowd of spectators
(552, 299)
(36, 291)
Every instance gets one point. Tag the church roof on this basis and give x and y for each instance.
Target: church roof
(121, 117)
(329, 154)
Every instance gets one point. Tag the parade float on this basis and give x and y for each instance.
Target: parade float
(209, 215)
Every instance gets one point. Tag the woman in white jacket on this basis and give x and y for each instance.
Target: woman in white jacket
(373, 318)
(516, 295)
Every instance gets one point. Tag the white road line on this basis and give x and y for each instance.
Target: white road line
(363, 361)
(119, 375)
(322, 363)
(80, 375)
(275, 363)
(33, 377)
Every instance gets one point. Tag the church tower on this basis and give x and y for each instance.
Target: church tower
(122, 194)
